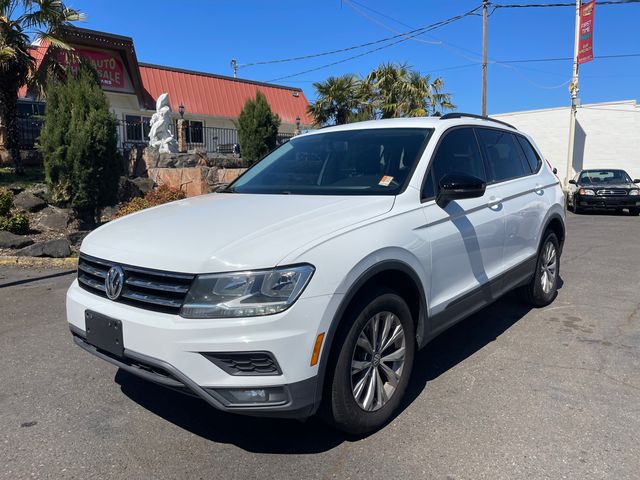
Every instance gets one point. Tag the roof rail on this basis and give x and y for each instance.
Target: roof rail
(449, 116)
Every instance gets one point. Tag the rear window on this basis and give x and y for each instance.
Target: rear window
(503, 153)
(530, 154)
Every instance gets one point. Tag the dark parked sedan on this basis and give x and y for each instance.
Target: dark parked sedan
(612, 189)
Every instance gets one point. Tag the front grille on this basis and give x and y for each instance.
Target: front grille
(611, 192)
(143, 287)
(245, 363)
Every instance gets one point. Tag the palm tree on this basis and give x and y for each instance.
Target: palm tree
(398, 91)
(20, 22)
(337, 100)
(388, 89)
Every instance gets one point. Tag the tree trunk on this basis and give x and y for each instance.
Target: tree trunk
(9, 119)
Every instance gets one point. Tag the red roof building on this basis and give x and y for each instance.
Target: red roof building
(209, 100)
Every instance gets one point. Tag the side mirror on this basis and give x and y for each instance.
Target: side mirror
(572, 182)
(637, 180)
(555, 171)
(456, 186)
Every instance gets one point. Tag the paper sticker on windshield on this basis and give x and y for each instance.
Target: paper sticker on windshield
(385, 181)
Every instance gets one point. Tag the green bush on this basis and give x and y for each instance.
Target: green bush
(79, 144)
(17, 223)
(257, 129)
(6, 202)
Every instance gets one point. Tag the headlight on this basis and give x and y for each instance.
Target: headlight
(586, 191)
(634, 192)
(245, 294)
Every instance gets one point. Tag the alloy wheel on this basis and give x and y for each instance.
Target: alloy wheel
(549, 268)
(378, 361)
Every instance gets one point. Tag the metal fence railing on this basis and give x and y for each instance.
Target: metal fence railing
(136, 133)
(29, 128)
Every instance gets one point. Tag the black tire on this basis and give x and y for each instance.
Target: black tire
(534, 292)
(634, 211)
(340, 408)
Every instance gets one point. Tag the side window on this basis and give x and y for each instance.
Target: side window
(428, 190)
(530, 154)
(458, 152)
(503, 153)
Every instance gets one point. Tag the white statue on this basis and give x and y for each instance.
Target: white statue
(160, 135)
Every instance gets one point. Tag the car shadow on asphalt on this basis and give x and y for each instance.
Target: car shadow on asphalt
(264, 435)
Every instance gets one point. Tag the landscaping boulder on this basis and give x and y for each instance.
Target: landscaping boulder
(52, 218)
(28, 202)
(144, 184)
(9, 240)
(154, 159)
(52, 248)
(76, 238)
(127, 189)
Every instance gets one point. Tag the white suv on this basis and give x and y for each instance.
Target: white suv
(309, 283)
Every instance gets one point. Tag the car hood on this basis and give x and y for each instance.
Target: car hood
(227, 231)
(608, 186)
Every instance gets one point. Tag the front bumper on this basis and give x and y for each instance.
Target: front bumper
(168, 350)
(597, 201)
(298, 399)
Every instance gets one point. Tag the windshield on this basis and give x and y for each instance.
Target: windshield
(353, 162)
(604, 176)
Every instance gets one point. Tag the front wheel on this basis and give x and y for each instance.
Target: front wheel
(372, 363)
(543, 288)
(634, 211)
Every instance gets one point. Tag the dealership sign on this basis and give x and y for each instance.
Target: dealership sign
(585, 43)
(107, 64)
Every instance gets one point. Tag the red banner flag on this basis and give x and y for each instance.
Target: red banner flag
(585, 45)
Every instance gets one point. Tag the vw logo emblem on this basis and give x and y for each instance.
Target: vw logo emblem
(114, 282)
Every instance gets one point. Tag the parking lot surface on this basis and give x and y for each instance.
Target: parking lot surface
(508, 393)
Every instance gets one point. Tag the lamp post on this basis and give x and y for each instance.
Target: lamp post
(297, 131)
(182, 130)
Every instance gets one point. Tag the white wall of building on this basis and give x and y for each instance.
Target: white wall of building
(607, 135)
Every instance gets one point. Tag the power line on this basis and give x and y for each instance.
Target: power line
(404, 38)
(447, 46)
(542, 5)
(414, 32)
(562, 59)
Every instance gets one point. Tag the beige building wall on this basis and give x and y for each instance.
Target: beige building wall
(607, 135)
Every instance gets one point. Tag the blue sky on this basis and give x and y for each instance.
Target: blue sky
(205, 34)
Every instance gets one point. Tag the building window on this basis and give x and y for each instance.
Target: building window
(136, 128)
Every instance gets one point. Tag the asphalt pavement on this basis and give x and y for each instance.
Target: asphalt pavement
(508, 393)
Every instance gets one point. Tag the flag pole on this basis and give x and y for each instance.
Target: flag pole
(573, 89)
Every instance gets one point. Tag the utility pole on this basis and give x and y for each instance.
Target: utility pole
(574, 88)
(485, 27)
(234, 65)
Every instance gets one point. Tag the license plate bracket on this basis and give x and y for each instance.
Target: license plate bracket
(104, 333)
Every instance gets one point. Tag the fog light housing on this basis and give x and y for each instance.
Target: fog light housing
(253, 396)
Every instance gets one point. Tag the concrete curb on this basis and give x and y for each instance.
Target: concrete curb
(41, 262)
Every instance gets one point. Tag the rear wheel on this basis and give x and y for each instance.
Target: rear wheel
(371, 365)
(543, 288)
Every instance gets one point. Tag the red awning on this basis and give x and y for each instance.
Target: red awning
(220, 96)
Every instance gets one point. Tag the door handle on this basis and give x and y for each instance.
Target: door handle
(538, 189)
(494, 203)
